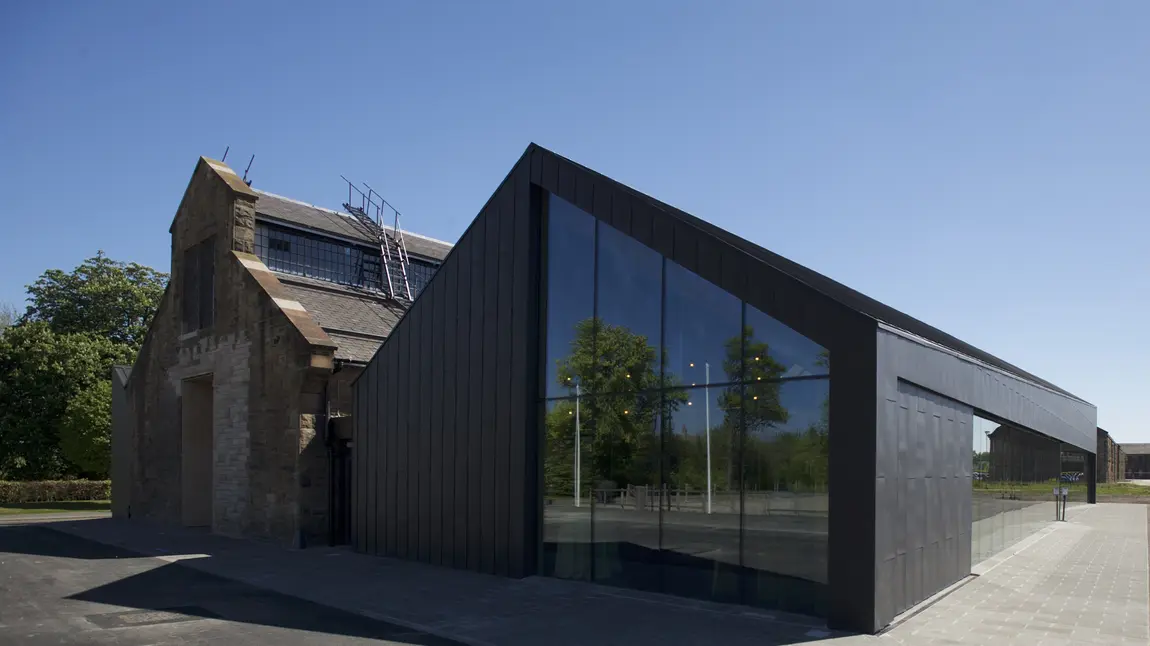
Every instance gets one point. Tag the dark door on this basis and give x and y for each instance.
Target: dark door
(341, 493)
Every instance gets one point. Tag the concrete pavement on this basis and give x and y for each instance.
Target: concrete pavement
(1081, 581)
(56, 588)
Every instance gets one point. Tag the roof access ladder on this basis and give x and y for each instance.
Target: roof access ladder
(369, 214)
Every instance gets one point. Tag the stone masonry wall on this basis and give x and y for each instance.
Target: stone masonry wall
(256, 360)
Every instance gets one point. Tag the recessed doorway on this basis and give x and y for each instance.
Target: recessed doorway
(196, 451)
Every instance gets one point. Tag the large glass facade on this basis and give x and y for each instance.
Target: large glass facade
(686, 432)
(1015, 476)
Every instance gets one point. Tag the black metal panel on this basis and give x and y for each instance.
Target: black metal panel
(915, 556)
(923, 495)
(605, 209)
(435, 403)
(387, 425)
(461, 511)
(620, 213)
(536, 160)
(710, 260)
(378, 380)
(518, 390)
(400, 339)
(490, 361)
(549, 172)
(422, 368)
(566, 187)
(989, 389)
(585, 194)
(505, 202)
(662, 228)
(450, 291)
(474, 428)
(686, 246)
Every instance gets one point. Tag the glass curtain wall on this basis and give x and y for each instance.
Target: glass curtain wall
(686, 432)
(1015, 473)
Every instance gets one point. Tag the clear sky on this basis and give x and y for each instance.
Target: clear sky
(981, 165)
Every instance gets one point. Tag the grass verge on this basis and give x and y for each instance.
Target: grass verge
(7, 509)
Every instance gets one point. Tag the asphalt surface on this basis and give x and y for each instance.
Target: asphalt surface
(60, 589)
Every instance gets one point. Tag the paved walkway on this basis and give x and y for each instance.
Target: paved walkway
(1083, 581)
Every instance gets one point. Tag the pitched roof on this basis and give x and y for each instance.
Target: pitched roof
(833, 289)
(357, 320)
(270, 206)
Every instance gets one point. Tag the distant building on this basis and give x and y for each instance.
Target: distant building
(1137, 461)
(1111, 459)
(1020, 456)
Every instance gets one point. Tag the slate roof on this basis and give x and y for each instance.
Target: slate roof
(278, 208)
(357, 320)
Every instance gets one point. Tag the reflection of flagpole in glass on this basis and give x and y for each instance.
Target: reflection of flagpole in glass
(578, 448)
(707, 421)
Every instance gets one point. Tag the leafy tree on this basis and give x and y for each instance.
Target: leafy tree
(8, 316)
(86, 429)
(620, 443)
(40, 373)
(110, 299)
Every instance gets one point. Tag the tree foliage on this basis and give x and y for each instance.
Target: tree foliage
(622, 444)
(86, 429)
(8, 316)
(40, 374)
(107, 298)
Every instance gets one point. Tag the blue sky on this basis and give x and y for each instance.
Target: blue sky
(980, 165)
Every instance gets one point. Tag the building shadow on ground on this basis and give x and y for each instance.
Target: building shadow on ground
(180, 590)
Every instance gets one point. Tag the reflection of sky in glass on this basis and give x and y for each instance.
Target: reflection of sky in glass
(701, 318)
(797, 354)
(692, 414)
(630, 284)
(570, 281)
(981, 429)
(804, 403)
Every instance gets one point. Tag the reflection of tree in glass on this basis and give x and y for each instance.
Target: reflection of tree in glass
(792, 460)
(620, 444)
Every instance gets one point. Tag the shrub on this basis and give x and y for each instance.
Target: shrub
(54, 490)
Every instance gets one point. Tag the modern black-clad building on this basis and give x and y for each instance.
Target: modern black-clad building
(598, 386)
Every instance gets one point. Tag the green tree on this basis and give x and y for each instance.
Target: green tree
(40, 373)
(8, 316)
(110, 299)
(86, 430)
(614, 371)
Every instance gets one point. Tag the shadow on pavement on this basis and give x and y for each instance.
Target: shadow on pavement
(40, 541)
(178, 589)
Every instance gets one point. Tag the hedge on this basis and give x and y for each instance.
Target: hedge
(54, 490)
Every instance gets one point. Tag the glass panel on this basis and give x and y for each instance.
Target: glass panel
(629, 306)
(773, 350)
(624, 463)
(702, 331)
(785, 492)
(700, 547)
(567, 491)
(1073, 475)
(570, 297)
(1015, 474)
